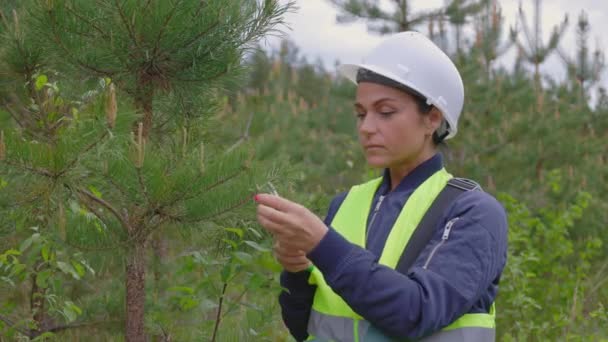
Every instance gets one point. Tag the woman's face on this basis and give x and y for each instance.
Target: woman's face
(392, 131)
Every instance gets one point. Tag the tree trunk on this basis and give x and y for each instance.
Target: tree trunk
(136, 293)
(160, 248)
(37, 306)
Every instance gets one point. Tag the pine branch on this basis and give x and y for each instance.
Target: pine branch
(88, 22)
(223, 180)
(206, 79)
(32, 169)
(117, 186)
(108, 206)
(244, 137)
(162, 29)
(125, 22)
(145, 8)
(86, 149)
(220, 212)
(80, 63)
(527, 35)
(195, 38)
(94, 210)
(15, 117)
(194, 194)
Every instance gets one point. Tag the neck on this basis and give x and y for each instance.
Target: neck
(401, 170)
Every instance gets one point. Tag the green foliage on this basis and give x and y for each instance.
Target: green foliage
(187, 185)
(552, 286)
(52, 272)
(226, 279)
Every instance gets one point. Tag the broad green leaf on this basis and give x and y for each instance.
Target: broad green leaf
(231, 243)
(42, 277)
(12, 252)
(78, 267)
(71, 311)
(243, 257)
(67, 269)
(95, 191)
(237, 231)
(41, 81)
(89, 268)
(255, 232)
(28, 242)
(257, 246)
(70, 315)
(46, 252)
(187, 303)
(8, 280)
(74, 307)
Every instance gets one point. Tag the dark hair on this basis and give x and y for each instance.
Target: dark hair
(365, 75)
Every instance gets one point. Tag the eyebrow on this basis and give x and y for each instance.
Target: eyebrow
(358, 104)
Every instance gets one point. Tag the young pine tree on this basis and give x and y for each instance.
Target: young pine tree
(534, 51)
(399, 18)
(138, 172)
(585, 69)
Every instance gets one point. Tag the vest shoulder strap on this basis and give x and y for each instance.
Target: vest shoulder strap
(426, 228)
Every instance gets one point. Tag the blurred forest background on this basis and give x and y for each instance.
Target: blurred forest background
(135, 133)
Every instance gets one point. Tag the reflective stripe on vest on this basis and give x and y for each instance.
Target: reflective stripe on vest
(332, 319)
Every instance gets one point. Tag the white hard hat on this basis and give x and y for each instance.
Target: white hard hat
(413, 60)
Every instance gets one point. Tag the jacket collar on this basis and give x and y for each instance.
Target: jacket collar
(410, 182)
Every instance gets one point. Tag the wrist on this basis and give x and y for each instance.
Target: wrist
(317, 238)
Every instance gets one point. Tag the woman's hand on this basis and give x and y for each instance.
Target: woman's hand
(292, 261)
(295, 227)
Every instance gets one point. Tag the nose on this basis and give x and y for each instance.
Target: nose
(368, 125)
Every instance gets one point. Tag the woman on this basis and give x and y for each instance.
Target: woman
(340, 275)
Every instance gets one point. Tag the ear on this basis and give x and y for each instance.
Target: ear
(433, 120)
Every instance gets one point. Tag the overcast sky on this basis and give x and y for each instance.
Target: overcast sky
(315, 31)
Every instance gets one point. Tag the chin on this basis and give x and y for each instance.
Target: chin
(375, 162)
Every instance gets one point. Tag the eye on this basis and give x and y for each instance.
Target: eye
(360, 115)
(387, 113)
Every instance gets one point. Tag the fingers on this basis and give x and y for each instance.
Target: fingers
(277, 203)
(292, 262)
(274, 221)
(282, 249)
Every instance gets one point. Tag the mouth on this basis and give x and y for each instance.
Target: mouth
(371, 147)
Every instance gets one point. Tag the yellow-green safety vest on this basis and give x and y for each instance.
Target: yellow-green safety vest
(331, 319)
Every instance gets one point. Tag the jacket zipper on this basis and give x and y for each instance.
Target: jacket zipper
(376, 209)
(446, 234)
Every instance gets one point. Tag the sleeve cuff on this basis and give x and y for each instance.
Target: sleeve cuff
(330, 253)
(295, 280)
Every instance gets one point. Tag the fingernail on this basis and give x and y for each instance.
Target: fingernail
(255, 198)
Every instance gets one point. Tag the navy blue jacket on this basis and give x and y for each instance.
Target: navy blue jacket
(461, 277)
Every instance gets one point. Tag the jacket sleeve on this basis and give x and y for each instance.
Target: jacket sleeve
(297, 295)
(460, 271)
